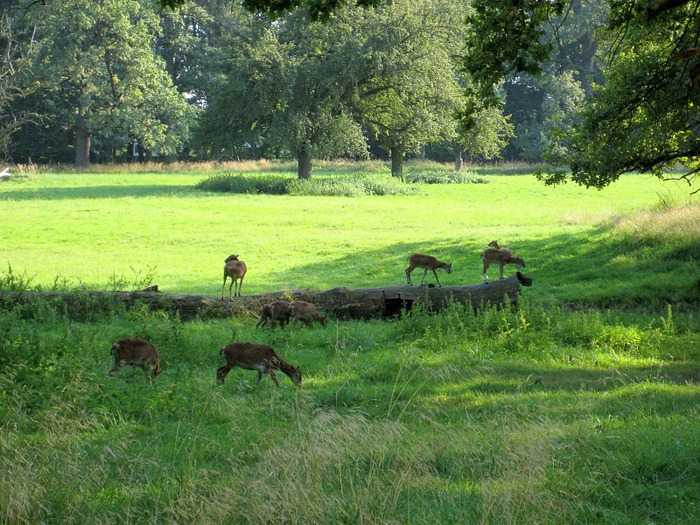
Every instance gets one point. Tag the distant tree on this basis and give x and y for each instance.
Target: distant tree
(98, 64)
(542, 107)
(644, 114)
(287, 86)
(15, 57)
(485, 140)
(317, 9)
(410, 96)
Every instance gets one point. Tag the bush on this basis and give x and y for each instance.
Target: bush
(442, 177)
(238, 183)
(350, 186)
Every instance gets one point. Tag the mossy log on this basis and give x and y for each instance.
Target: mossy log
(363, 303)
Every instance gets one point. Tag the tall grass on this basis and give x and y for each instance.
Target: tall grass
(505, 416)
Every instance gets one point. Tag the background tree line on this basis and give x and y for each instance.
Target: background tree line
(216, 79)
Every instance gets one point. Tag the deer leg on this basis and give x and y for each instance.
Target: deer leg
(240, 285)
(221, 373)
(486, 267)
(502, 265)
(118, 365)
(223, 287)
(259, 377)
(425, 272)
(436, 278)
(230, 288)
(273, 376)
(408, 274)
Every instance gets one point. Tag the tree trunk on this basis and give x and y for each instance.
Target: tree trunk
(396, 162)
(82, 143)
(304, 163)
(458, 160)
(342, 303)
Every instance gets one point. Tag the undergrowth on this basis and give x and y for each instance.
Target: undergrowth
(347, 185)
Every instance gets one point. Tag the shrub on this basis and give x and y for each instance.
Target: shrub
(350, 186)
(238, 183)
(444, 177)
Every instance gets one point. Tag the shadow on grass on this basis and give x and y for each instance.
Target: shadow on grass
(98, 192)
(511, 387)
(591, 270)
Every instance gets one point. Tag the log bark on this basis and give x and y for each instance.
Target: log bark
(343, 303)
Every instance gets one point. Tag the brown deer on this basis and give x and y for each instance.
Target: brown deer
(427, 262)
(236, 270)
(502, 256)
(135, 352)
(254, 356)
(279, 311)
(306, 312)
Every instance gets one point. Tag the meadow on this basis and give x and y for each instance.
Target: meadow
(581, 406)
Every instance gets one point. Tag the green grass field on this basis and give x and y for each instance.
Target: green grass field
(580, 407)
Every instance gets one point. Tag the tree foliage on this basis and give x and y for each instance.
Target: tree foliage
(644, 115)
(98, 63)
(15, 57)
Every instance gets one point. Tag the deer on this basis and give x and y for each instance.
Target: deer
(502, 256)
(254, 356)
(279, 311)
(306, 312)
(236, 270)
(427, 262)
(135, 352)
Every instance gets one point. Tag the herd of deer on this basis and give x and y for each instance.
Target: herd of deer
(263, 359)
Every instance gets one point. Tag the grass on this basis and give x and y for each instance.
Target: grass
(93, 229)
(579, 407)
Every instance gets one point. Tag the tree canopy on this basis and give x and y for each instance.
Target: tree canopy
(643, 115)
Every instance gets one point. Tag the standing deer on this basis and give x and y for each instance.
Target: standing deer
(236, 270)
(502, 256)
(426, 262)
(254, 356)
(135, 352)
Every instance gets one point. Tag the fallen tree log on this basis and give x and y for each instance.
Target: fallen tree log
(344, 303)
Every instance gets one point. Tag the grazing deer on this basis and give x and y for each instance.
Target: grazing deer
(306, 312)
(426, 262)
(135, 352)
(253, 356)
(236, 270)
(502, 256)
(279, 311)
